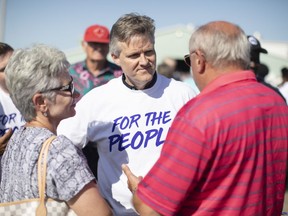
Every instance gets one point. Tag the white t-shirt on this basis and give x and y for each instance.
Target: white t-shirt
(129, 127)
(10, 116)
(284, 91)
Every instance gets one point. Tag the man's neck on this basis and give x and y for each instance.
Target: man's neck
(95, 66)
(146, 86)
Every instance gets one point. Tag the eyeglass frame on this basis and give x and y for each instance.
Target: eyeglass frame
(69, 87)
(188, 57)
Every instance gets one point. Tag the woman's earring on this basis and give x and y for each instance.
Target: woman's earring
(45, 114)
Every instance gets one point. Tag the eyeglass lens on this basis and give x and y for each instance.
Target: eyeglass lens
(187, 60)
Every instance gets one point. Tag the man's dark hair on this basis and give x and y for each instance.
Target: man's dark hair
(5, 48)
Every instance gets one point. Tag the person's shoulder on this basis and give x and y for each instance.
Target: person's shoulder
(103, 90)
(275, 89)
(111, 84)
(76, 65)
(61, 143)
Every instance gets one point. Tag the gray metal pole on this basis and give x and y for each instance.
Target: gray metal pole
(2, 19)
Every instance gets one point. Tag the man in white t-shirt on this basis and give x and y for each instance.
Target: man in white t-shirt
(10, 117)
(128, 118)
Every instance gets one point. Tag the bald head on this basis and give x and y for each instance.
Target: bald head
(223, 43)
(220, 47)
(224, 27)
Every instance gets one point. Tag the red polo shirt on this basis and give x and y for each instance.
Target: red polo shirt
(225, 154)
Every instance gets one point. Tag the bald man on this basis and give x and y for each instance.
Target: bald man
(226, 151)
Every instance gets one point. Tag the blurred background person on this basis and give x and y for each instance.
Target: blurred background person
(95, 70)
(168, 67)
(255, 50)
(165, 70)
(177, 69)
(42, 89)
(184, 74)
(10, 116)
(262, 71)
(283, 87)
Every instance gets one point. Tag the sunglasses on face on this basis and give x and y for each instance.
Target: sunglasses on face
(69, 87)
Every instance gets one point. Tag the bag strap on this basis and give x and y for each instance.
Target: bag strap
(42, 167)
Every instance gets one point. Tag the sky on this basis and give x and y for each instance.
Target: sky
(62, 23)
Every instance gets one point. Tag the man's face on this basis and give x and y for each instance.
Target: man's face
(3, 63)
(96, 51)
(137, 60)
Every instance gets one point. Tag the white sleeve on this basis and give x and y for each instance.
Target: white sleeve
(75, 128)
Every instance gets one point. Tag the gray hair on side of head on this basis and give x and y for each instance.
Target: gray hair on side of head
(129, 25)
(33, 70)
(221, 48)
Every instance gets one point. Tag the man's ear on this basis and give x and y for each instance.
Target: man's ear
(200, 62)
(39, 102)
(115, 59)
(84, 45)
(202, 65)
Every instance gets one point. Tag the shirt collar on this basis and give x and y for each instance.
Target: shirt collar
(229, 78)
(148, 85)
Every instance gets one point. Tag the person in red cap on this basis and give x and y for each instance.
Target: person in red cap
(95, 70)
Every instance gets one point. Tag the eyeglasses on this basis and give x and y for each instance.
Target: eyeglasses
(187, 58)
(69, 87)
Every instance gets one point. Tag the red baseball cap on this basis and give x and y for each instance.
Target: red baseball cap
(97, 33)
